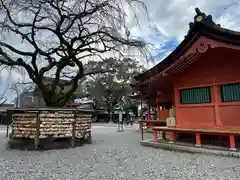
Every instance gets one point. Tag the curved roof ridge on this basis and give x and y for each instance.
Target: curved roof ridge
(202, 25)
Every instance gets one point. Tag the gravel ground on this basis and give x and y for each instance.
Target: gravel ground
(113, 156)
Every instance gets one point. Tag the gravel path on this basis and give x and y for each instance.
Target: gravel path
(113, 156)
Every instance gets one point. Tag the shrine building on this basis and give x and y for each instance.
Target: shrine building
(200, 79)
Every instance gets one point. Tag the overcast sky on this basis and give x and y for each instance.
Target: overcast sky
(169, 19)
(168, 24)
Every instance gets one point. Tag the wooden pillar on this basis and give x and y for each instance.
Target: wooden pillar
(158, 107)
(176, 104)
(155, 136)
(172, 136)
(157, 104)
(232, 143)
(149, 112)
(158, 112)
(198, 139)
(216, 101)
(73, 141)
(37, 138)
(156, 132)
(8, 120)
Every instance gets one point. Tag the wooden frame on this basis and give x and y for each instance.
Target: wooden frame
(149, 124)
(198, 132)
(50, 123)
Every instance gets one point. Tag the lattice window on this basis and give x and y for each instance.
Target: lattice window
(230, 92)
(195, 95)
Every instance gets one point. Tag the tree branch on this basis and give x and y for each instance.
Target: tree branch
(79, 30)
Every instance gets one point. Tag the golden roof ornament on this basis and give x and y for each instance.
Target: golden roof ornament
(200, 16)
(199, 19)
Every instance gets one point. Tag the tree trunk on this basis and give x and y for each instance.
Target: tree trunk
(54, 101)
(55, 97)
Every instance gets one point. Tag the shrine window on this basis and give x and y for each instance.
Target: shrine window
(230, 92)
(199, 95)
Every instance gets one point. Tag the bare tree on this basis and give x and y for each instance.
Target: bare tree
(21, 89)
(59, 34)
(3, 99)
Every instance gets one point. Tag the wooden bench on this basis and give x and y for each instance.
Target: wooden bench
(151, 123)
(198, 132)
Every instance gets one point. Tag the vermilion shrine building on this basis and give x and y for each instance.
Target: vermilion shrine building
(200, 78)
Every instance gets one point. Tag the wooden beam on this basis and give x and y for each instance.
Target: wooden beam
(149, 112)
(216, 101)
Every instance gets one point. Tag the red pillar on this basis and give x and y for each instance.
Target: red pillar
(198, 139)
(149, 112)
(172, 136)
(232, 143)
(158, 112)
(158, 106)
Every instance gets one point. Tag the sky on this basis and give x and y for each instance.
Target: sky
(166, 25)
(168, 21)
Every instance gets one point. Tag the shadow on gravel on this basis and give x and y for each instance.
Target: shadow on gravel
(45, 144)
(190, 149)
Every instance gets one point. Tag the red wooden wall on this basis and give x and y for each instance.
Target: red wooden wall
(163, 114)
(217, 66)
